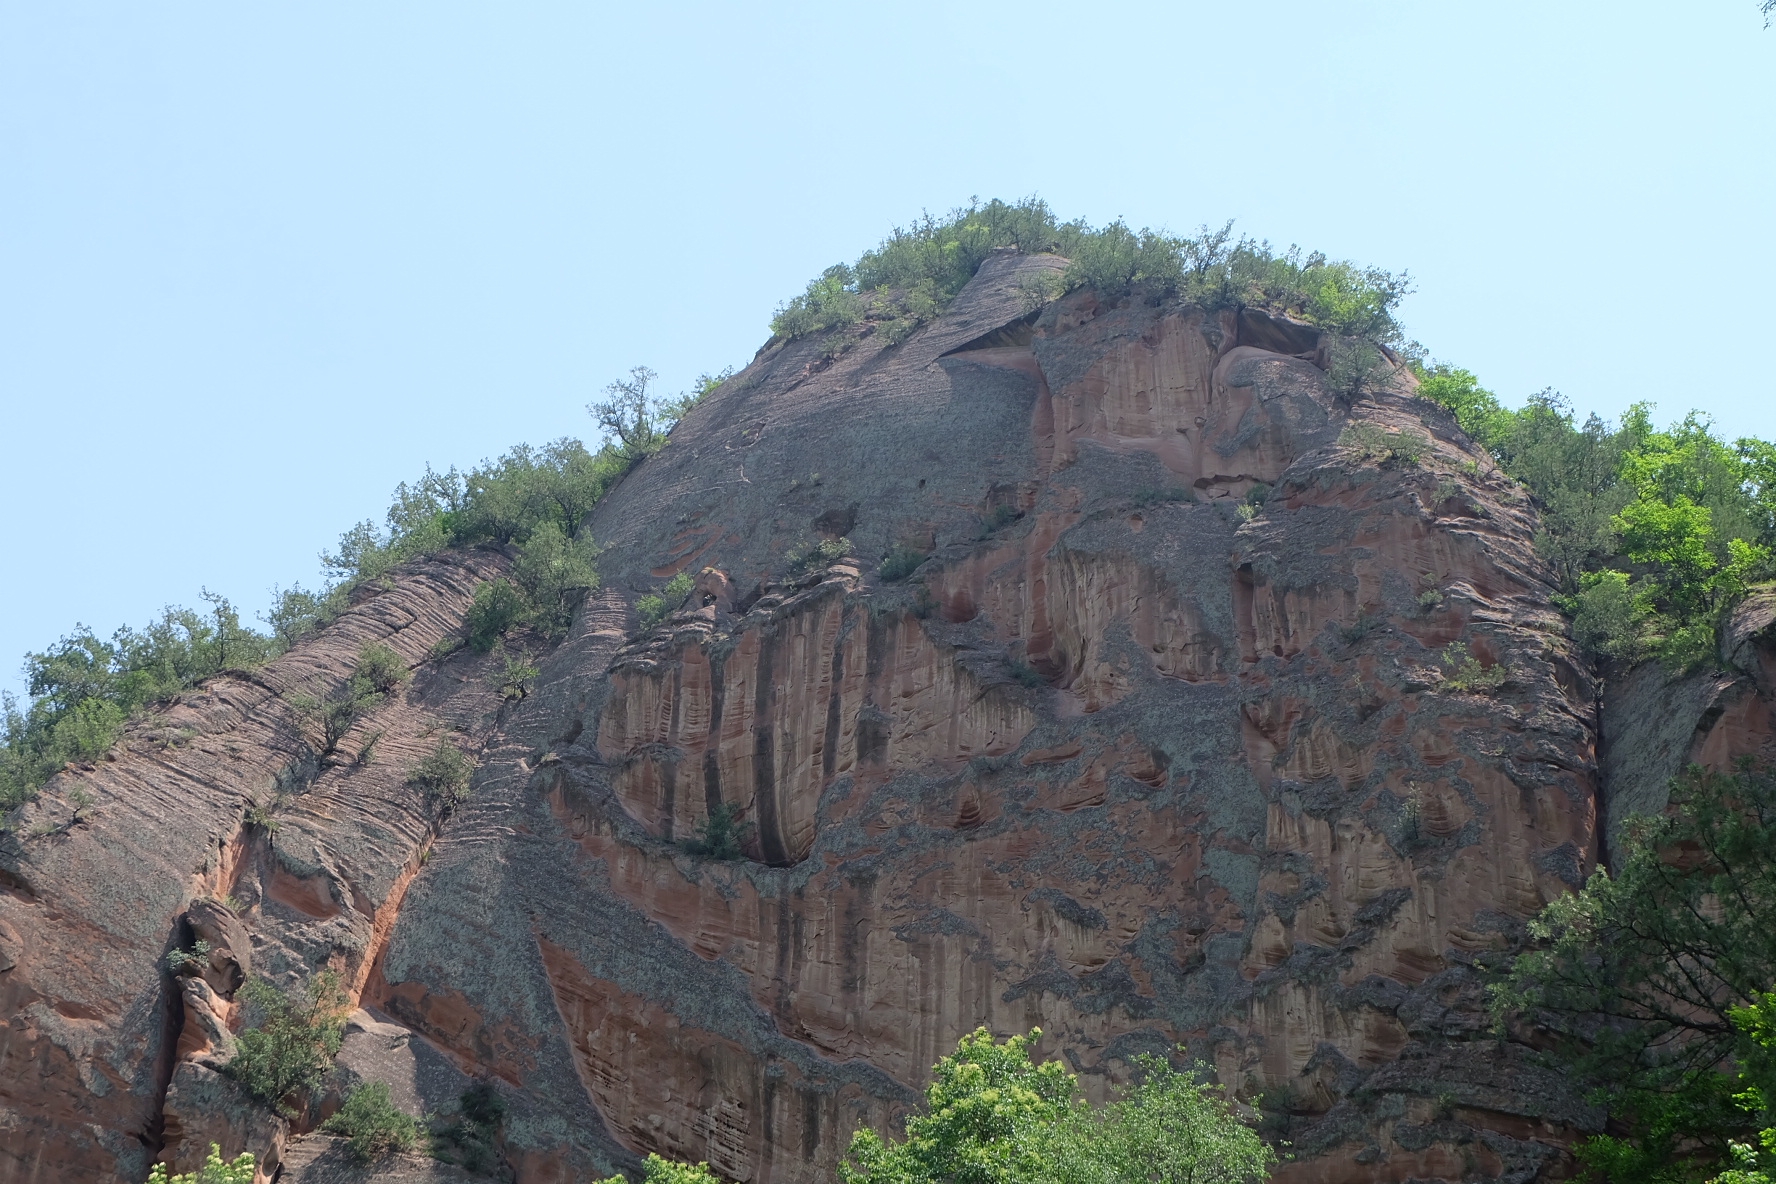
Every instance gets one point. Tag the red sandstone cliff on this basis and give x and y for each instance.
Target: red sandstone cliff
(1123, 760)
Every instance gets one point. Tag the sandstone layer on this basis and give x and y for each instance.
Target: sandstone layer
(1161, 746)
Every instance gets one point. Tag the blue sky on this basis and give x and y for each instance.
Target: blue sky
(260, 263)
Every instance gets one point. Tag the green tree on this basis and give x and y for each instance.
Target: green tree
(663, 1171)
(992, 1116)
(556, 571)
(237, 1171)
(986, 1115)
(654, 607)
(290, 1039)
(1754, 1162)
(1165, 1128)
(1638, 980)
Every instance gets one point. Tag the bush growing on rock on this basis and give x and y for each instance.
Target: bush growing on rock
(812, 557)
(900, 563)
(721, 836)
(443, 776)
(497, 609)
(1464, 671)
(290, 1039)
(380, 668)
(655, 607)
(371, 1124)
(470, 1136)
(917, 270)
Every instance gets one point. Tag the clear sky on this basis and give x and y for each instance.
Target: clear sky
(258, 263)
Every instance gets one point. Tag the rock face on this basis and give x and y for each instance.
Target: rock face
(1164, 743)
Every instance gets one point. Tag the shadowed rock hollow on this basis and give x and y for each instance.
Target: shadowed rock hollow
(1122, 760)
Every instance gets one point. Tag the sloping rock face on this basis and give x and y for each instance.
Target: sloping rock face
(105, 1057)
(1163, 744)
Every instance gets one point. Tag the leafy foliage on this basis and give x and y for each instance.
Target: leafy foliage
(1167, 1126)
(84, 688)
(443, 776)
(917, 270)
(290, 1039)
(371, 1124)
(992, 1116)
(1642, 977)
(812, 557)
(663, 1171)
(638, 422)
(380, 668)
(1465, 673)
(517, 672)
(498, 607)
(1653, 534)
(239, 1170)
(1402, 449)
(657, 606)
(722, 835)
(1755, 1162)
(900, 563)
(470, 1136)
(987, 1115)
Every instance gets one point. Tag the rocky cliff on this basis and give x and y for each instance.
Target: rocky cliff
(1163, 743)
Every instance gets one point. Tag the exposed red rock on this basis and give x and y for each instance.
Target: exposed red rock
(1125, 761)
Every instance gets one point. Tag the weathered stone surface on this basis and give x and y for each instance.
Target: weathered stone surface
(323, 1159)
(95, 1025)
(1159, 747)
(203, 1108)
(1656, 724)
(1132, 767)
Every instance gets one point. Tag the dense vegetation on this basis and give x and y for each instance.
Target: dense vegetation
(290, 1039)
(239, 1170)
(372, 1125)
(1653, 984)
(917, 270)
(531, 501)
(1653, 535)
(992, 1116)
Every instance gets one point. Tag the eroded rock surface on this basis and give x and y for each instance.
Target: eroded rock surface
(1159, 746)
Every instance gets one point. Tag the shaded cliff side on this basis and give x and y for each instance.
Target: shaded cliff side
(1163, 743)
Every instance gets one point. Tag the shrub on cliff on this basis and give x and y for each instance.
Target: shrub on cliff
(917, 270)
(817, 556)
(1638, 982)
(371, 1124)
(654, 607)
(443, 776)
(721, 836)
(84, 688)
(900, 563)
(992, 1116)
(290, 1039)
(1653, 535)
(470, 1136)
(380, 668)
